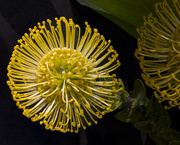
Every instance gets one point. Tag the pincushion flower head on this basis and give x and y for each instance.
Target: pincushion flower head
(62, 79)
(159, 52)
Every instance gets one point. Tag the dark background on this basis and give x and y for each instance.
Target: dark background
(16, 17)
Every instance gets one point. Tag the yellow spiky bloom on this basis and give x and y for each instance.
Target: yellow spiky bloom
(62, 79)
(159, 52)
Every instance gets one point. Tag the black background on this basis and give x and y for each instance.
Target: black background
(16, 17)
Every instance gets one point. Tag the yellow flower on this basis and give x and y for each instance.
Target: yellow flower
(62, 79)
(159, 52)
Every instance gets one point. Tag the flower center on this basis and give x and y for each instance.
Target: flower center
(60, 70)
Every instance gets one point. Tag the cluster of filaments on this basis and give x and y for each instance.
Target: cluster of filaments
(159, 52)
(61, 80)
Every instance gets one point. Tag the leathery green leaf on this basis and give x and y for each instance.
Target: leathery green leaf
(139, 89)
(156, 138)
(121, 95)
(124, 94)
(144, 125)
(174, 143)
(176, 135)
(124, 116)
(90, 4)
(115, 105)
(139, 94)
(125, 26)
(164, 122)
(148, 108)
(125, 13)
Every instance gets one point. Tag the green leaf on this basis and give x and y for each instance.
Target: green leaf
(144, 125)
(144, 102)
(147, 128)
(91, 5)
(175, 134)
(158, 110)
(125, 13)
(174, 143)
(148, 108)
(139, 95)
(124, 94)
(115, 105)
(156, 138)
(164, 122)
(139, 89)
(123, 25)
(124, 116)
(120, 80)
